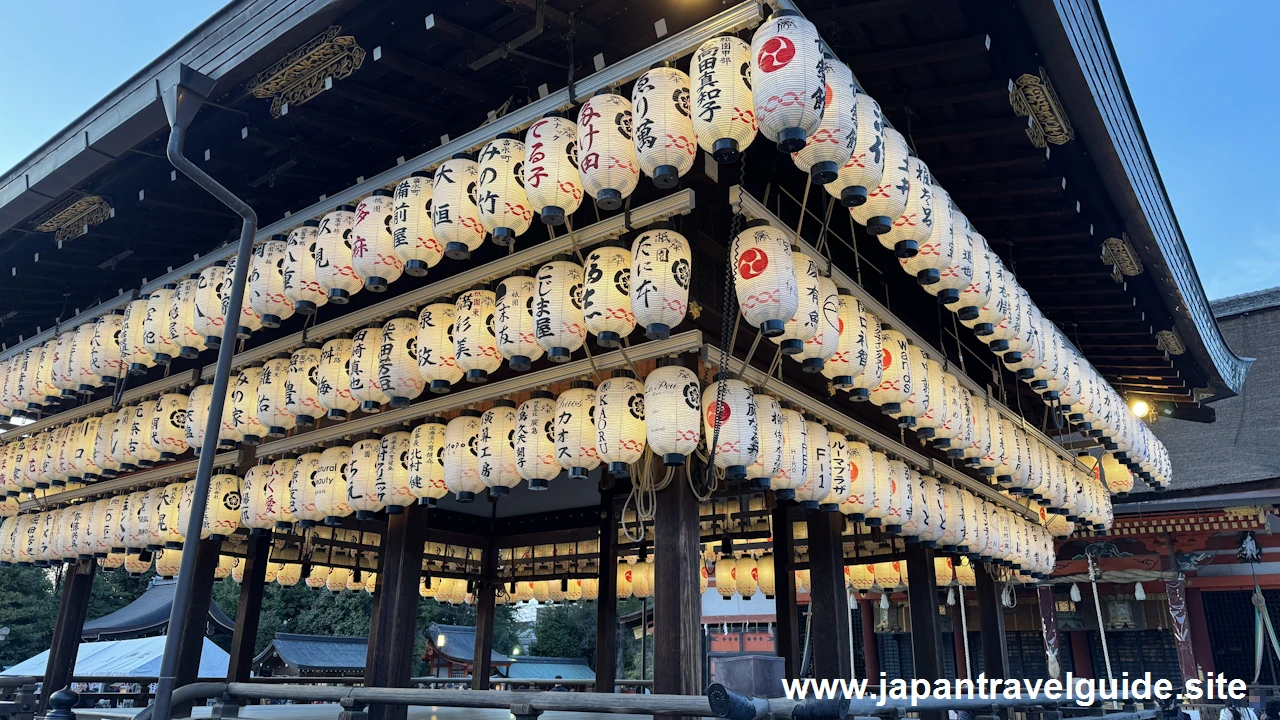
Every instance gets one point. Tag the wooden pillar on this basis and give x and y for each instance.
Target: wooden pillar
(995, 654)
(926, 630)
(787, 636)
(1176, 592)
(485, 590)
(72, 606)
(1199, 630)
(607, 603)
(248, 608)
(1081, 659)
(957, 644)
(828, 600)
(391, 641)
(870, 648)
(677, 607)
(1049, 628)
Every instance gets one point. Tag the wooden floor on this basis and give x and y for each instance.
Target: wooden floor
(329, 711)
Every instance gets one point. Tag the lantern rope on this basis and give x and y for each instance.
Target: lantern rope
(1102, 629)
(853, 605)
(964, 627)
(728, 334)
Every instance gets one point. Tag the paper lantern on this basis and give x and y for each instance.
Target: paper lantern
(254, 508)
(165, 526)
(198, 415)
(61, 376)
(860, 577)
(504, 207)
(155, 325)
(590, 588)
(335, 272)
(606, 298)
(803, 325)
(865, 165)
(841, 473)
(559, 325)
(818, 349)
(461, 471)
(288, 574)
(620, 422)
(105, 358)
(997, 303)
(575, 429)
(168, 424)
(11, 397)
(318, 577)
(660, 278)
(397, 363)
(45, 371)
(724, 117)
(182, 328)
(535, 444)
(726, 577)
(331, 484)
(426, 461)
(765, 279)
(139, 439)
(897, 380)
(916, 403)
(915, 225)
(366, 345)
(209, 319)
(272, 395)
(887, 201)
(133, 349)
(665, 143)
(279, 508)
(395, 490)
(573, 590)
(513, 325)
(437, 365)
(248, 320)
(168, 564)
(373, 253)
(266, 282)
(551, 179)
(412, 233)
(736, 443)
(244, 406)
(299, 272)
(363, 479)
(222, 513)
(789, 78)
(301, 386)
(607, 158)
(795, 469)
(850, 355)
(817, 480)
(642, 579)
(672, 392)
(475, 348)
(769, 432)
(302, 490)
(455, 217)
(496, 454)
(936, 253)
(337, 579)
(830, 147)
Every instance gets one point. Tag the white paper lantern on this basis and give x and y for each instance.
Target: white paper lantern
(887, 201)
(535, 444)
(248, 320)
(140, 445)
(817, 481)
(558, 318)
(209, 318)
(301, 391)
(398, 376)
(997, 302)
(765, 279)
(838, 449)
(412, 231)
(254, 511)
(829, 148)
(266, 282)
(372, 248)
(133, 350)
(916, 403)
(279, 509)
(395, 488)
(914, 226)
(818, 349)
(606, 156)
(168, 425)
(795, 469)
(575, 430)
(736, 444)
(334, 270)
(954, 277)
(332, 496)
(866, 164)
(861, 504)
(273, 411)
(726, 577)
(183, 332)
(551, 179)
(437, 365)
(366, 345)
(362, 478)
(496, 453)
(788, 75)
(105, 356)
(672, 393)
(299, 272)
(504, 208)
(620, 422)
(897, 380)
(769, 431)
(165, 527)
(222, 511)
(198, 406)
(803, 325)
(665, 143)
(62, 370)
(606, 294)
(302, 490)
(155, 326)
(851, 354)
(244, 406)
(934, 253)
(513, 325)
(475, 348)
(661, 272)
(724, 116)
(461, 470)
(455, 217)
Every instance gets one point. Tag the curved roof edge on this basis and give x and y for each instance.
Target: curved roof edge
(1081, 58)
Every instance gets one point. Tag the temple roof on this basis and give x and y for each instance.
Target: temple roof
(317, 652)
(149, 614)
(459, 643)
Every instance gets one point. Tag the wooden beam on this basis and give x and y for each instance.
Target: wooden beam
(192, 635)
(434, 76)
(607, 605)
(467, 38)
(969, 130)
(77, 583)
(248, 609)
(995, 653)
(960, 164)
(677, 606)
(919, 54)
(387, 103)
(936, 97)
(787, 638)
(828, 601)
(1010, 188)
(339, 126)
(391, 642)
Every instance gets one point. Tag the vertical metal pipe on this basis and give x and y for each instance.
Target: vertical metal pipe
(182, 100)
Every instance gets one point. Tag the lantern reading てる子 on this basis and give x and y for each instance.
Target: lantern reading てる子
(575, 430)
(334, 271)
(620, 422)
(558, 319)
(496, 453)
(886, 202)
(606, 156)
(729, 416)
(461, 472)
(504, 207)
(831, 145)
(413, 237)
(788, 76)
(535, 444)
(665, 143)
(398, 376)
(475, 349)
(724, 116)
(551, 179)
(765, 277)
(372, 249)
(436, 363)
(672, 393)
(660, 277)
(513, 324)
(455, 217)
(299, 273)
(606, 294)
(266, 282)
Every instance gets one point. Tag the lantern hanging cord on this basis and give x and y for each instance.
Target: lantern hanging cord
(728, 333)
(1097, 606)
(964, 628)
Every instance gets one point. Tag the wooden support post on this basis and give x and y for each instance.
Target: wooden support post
(677, 606)
(391, 641)
(1081, 659)
(870, 648)
(787, 638)
(76, 585)
(1199, 630)
(485, 589)
(249, 607)
(957, 643)
(995, 654)
(192, 642)
(828, 600)
(607, 603)
(926, 630)
(1176, 592)
(1052, 640)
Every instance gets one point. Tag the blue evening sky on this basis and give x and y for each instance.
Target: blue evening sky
(1202, 75)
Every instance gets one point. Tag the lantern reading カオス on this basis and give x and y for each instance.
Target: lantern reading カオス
(461, 473)
(436, 363)
(620, 422)
(496, 453)
(831, 145)
(729, 417)
(665, 143)
(915, 224)
(887, 200)
(724, 116)
(789, 78)
(866, 165)
(301, 391)
(333, 388)
(558, 319)
(398, 376)
(395, 489)
(535, 444)
(765, 277)
(266, 282)
(769, 430)
(273, 411)
(660, 277)
(504, 207)
(575, 430)
(334, 271)
(606, 294)
(551, 179)
(513, 324)
(365, 346)
(672, 393)
(794, 470)
(606, 156)
(413, 237)
(824, 343)
(372, 248)
(475, 349)
(300, 284)
(455, 216)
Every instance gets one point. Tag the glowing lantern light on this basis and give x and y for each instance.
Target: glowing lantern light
(829, 148)
(244, 406)
(958, 269)
(155, 325)
(318, 577)
(838, 450)
(551, 178)
(916, 403)
(513, 325)
(672, 392)
(426, 461)
(934, 253)
(165, 530)
(558, 318)
(301, 386)
(730, 418)
(105, 358)
(209, 318)
(726, 577)
(168, 424)
(395, 490)
(575, 431)
(642, 579)
(288, 574)
(140, 447)
(398, 376)
(249, 320)
(266, 282)
(660, 277)
(133, 351)
(183, 332)
(168, 564)
(888, 200)
(789, 79)
(535, 445)
(866, 164)
(254, 509)
(849, 356)
(795, 470)
(334, 270)
(606, 299)
(363, 373)
(824, 343)
(496, 451)
(665, 142)
(620, 422)
(915, 224)
(461, 471)
(769, 431)
(503, 204)
(412, 232)
(198, 406)
(897, 380)
(332, 494)
(363, 479)
(803, 325)
(279, 508)
(273, 412)
(222, 512)
(437, 365)
(455, 217)
(338, 579)
(372, 248)
(817, 481)
(62, 370)
(475, 348)
(299, 271)
(302, 490)
(607, 158)
(746, 576)
(724, 117)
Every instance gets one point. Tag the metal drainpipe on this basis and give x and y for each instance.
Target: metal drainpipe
(183, 97)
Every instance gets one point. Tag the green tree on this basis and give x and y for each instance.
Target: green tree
(567, 630)
(29, 608)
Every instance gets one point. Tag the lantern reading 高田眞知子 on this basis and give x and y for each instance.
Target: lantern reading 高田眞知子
(724, 115)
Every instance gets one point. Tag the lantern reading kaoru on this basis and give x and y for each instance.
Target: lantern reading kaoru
(660, 276)
(724, 117)
(620, 422)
